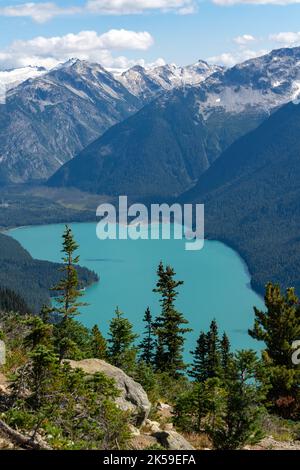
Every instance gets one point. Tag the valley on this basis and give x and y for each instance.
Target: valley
(149, 231)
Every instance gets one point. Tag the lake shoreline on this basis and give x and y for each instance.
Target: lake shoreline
(210, 237)
(216, 279)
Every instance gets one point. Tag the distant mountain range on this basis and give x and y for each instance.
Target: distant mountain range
(149, 132)
(163, 149)
(147, 83)
(251, 195)
(49, 117)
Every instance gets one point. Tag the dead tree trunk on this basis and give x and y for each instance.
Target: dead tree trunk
(22, 440)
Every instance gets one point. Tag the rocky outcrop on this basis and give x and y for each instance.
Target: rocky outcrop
(171, 440)
(269, 443)
(132, 398)
(164, 435)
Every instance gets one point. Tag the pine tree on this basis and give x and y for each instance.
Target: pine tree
(168, 325)
(278, 327)
(189, 409)
(236, 419)
(147, 346)
(40, 333)
(121, 342)
(43, 362)
(99, 344)
(199, 371)
(45, 313)
(225, 353)
(68, 287)
(213, 353)
(68, 293)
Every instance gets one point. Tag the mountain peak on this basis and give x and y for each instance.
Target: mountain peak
(147, 82)
(80, 65)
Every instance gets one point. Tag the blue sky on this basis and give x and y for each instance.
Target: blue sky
(119, 33)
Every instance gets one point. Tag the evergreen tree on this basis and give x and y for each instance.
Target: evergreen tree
(121, 342)
(40, 333)
(227, 408)
(45, 313)
(43, 362)
(213, 351)
(147, 346)
(189, 409)
(99, 344)
(68, 289)
(169, 324)
(235, 419)
(199, 371)
(211, 357)
(278, 327)
(68, 293)
(225, 353)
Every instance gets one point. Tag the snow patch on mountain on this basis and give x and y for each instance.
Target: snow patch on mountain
(12, 78)
(266, 82)
(146, 82)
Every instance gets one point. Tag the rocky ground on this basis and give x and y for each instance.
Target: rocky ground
(269, 443)
(146, 433)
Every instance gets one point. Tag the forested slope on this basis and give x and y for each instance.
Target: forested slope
(31, 278)
(252, 195)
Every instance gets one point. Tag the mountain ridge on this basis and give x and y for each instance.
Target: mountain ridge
(47, 120)
(163, 149)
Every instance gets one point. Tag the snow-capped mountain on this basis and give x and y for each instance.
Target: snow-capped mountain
(192, 114)
(163, 149)
(48, 117)
(264, 83)
(11, 78)
(146, 83)
(45, 121)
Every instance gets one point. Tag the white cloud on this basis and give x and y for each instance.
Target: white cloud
(286, 38)
(244, 39)
(117, 7)
(232, 58)
(42, 12)
(86, 45)
(255, 2)
(39, 12)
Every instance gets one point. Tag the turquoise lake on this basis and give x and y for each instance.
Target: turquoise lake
(216, 280)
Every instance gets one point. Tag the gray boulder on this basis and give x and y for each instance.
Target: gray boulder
(133, 397)
(171, 440)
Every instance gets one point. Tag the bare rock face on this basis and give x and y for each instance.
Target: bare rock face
(171, 440)
(47, 120)
(133, 397)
